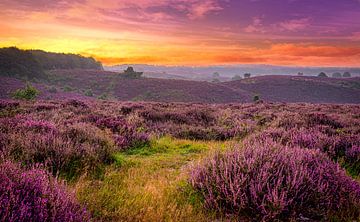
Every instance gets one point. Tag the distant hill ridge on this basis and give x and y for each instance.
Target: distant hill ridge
(32, 64)
(110, 85)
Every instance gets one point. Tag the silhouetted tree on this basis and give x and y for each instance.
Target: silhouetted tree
(322, 74)
(347, 75)
(247, 75)
(130, 73)
(216, 75)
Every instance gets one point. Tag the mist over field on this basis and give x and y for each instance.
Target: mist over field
(179, 110)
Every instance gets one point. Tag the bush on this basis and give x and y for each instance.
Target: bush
(68, 89)
(34, 195)
(269, 182)
(69, 151)
(256, 98)
(89, 93)
(28, 93)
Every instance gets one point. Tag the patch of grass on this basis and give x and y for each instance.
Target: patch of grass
(149, 183)
(167, 145)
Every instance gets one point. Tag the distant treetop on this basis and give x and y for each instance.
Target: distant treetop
(247, 75)
(31, 64)
(347, 74)
(130, 73)
(322, 74)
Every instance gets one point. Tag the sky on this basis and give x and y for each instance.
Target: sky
(189, 32)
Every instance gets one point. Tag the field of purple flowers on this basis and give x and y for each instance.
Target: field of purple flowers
(286, 162)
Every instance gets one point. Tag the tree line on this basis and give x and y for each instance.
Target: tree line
(32, 64)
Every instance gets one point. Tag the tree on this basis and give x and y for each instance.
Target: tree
(89, 93)
(300, 74)
(256, 98)
(336, 75)
(28, 93)
(216, 75)
(236, 77)
(347, 75)
(130, 73)
(247, 75)
(322, 74)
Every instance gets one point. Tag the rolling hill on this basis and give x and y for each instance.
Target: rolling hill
(301, 89)
(77, 83)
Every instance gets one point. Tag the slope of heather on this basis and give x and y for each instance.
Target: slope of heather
(81, 83)
(147, 89)
(301, 89)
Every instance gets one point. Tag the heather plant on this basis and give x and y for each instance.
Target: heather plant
(266, 181)
(69, 151)
(34, 195)
(125, 134)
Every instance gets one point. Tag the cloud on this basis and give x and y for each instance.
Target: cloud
(256, 26)
(294, 24)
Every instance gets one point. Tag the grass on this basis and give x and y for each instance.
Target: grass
(149, 183)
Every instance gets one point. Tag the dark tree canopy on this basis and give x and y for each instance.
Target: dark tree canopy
(216, 75)
(347, 74)
(247, 75)
(51, 61)
(322, 74)
(130, 73)
(19, 63)
(32, 63)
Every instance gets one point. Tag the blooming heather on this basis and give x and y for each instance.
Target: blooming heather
(266, 181)
(33, 195)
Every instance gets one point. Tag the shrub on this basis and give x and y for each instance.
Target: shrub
(256, 98)
(28, 93)
(103, 96)
(34, 195)
(68, 88)
(125, 134)
(270, 182)
(69, 151)
(89, 93)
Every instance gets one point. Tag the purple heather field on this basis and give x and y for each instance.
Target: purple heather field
(287, 161)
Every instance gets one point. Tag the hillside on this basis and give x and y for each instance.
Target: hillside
(32, 64)
(301, 89)
(78, 83)
(146, 89)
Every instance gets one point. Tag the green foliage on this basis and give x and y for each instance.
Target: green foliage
(89, 93)
(20, 64)
(51, 61)
(28, 93)
(166, 145)
(103, 96)
(68, 88)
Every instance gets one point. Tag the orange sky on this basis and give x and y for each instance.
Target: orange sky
(186, 32)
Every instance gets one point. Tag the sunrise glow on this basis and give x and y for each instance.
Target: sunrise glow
(189, 32)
